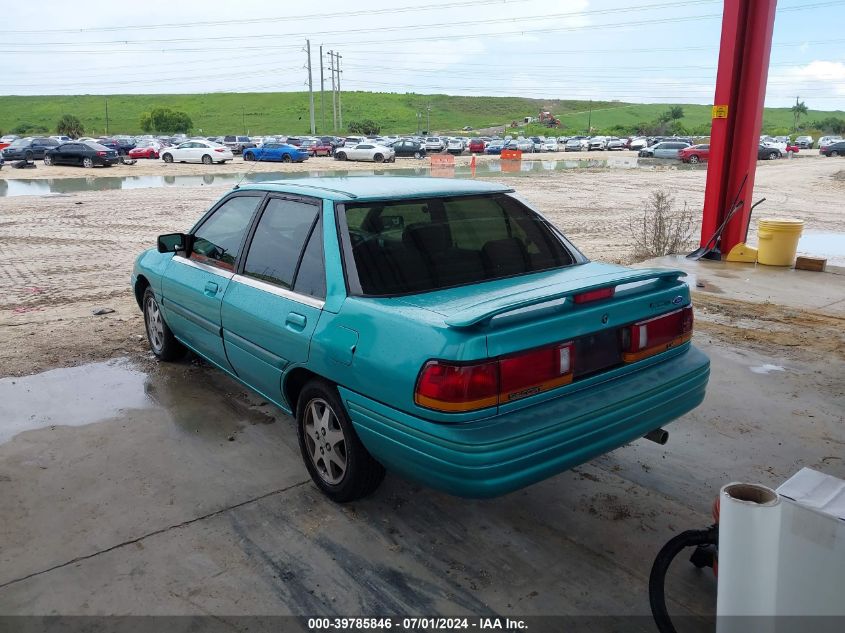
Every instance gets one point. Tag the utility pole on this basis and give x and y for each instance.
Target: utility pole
(590, 119)
(428, 112)
(322, 94)
(243, 118)
(795, 116)
(107, 116)
(310, 85)
(334, 92)
(339, 105)
(419, 122)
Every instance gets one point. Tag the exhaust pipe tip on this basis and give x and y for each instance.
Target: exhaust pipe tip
(659, 436)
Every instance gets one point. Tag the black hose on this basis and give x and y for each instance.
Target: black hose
(657, 578)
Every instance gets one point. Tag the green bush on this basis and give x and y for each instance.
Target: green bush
(165, 121)
(70, 125)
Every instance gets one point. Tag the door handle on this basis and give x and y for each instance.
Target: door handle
(210, 288)
(296, 321)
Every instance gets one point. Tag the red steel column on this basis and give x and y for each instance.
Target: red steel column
(746, 45)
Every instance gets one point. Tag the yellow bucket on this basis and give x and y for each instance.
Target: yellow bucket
(778, 241)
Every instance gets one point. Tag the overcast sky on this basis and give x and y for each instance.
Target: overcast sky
(634, 50)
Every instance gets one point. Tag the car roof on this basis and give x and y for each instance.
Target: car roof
(361, 188)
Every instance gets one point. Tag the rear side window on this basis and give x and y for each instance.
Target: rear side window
(421, 245)
(311, 275)
(218, 239)
(277, 244)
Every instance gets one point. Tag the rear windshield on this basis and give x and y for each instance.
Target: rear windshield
(414, 246)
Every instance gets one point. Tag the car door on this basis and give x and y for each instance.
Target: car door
(180, 152)
(60, 155)
(193, 287)
(69, 154)
(272, 304)
(187, 151)
(662, 150)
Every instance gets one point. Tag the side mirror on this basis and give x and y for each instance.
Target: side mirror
(174, 242)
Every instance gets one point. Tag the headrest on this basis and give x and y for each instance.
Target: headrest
(428, 238)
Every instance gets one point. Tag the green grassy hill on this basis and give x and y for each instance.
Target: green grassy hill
(287, 112)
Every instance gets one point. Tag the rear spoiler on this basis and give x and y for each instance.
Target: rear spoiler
(479, 313)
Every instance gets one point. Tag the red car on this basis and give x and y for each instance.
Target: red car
(476, 146)
(317, 148)
(694, 154)
(144, 152)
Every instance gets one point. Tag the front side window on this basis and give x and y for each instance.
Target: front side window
(278, 241)
(218, 239)
(421, 245)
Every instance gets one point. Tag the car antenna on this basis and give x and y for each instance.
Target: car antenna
(248, 171)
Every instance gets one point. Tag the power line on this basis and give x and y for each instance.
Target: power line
(287, 18)
(453, 24)
(382, 29)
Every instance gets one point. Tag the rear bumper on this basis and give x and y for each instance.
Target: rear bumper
(497, 455)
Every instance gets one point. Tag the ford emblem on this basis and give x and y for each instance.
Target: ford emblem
(677, 300)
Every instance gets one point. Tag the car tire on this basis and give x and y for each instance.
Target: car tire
(834, 153)
(48, 160)
(773, 155)
(417, 155)
(378, 158)
(88, 162)
(286, 158)
(340, 156)
(162, 342)
(336, 459)
(207, 159)
(248, 156)
(167, 157)
(693, 159)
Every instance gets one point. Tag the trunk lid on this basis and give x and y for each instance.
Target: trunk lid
(521, 313)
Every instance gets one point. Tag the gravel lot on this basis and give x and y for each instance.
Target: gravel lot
(69, 254)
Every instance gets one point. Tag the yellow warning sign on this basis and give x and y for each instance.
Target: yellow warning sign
(720, 112)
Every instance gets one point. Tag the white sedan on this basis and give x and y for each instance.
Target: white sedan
(551, 145)
(366, 151)
(196, 151)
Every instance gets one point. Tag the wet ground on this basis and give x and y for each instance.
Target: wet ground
(142, 488)
(45, 186)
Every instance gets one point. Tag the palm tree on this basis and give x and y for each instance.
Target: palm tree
(70, 125)
(797, 110)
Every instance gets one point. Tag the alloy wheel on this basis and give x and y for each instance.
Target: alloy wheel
(325, 441)
(155, 324)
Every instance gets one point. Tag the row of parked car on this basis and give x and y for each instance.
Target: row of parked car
(89, 151)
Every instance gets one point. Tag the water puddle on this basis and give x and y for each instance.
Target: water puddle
(47, 186)
(70, 397)
(766, 369)
(828, 245)
(197, 400)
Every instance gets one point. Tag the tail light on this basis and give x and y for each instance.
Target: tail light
(101, 153)
(449, 387)
(452, 387)
(218, 149)
(656, 335)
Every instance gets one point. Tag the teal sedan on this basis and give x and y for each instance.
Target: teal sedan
(437, 328)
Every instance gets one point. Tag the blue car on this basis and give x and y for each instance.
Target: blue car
(495, 147)
(436, 328)
(280, 152)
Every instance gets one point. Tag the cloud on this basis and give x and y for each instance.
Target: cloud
(818, 79)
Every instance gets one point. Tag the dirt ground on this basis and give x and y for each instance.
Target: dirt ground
(67, 255)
